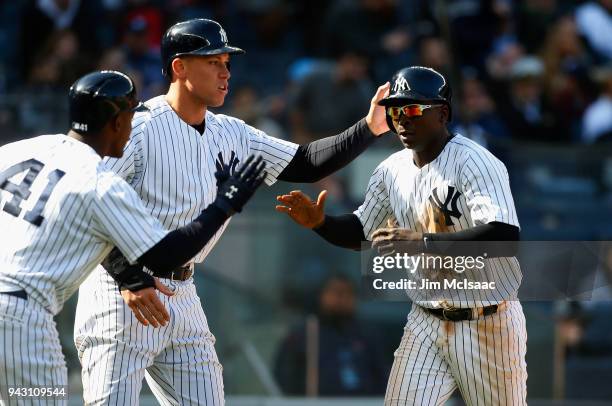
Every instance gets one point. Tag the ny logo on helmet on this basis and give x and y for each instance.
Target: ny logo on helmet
(223, 35)
(400, 85)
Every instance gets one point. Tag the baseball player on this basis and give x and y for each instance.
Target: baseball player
(170, 161)
(61, 213)
(441, 187)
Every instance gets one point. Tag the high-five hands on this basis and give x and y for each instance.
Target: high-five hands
(235, 190)
(302, 209)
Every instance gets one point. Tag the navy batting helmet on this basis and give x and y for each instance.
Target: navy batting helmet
(418, 84)
(194, 37)
(97, 97)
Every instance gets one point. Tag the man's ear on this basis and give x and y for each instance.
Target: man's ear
(444, 114)
(116, 123)
(178, 68)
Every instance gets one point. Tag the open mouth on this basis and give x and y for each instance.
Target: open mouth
(223, 88)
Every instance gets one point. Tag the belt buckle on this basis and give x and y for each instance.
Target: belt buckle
(185, 273)
(447, 318)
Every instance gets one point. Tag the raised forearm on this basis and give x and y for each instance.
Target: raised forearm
(321, 158)
(344, 231)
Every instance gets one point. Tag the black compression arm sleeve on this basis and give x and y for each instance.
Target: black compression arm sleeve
(323, 157)
(182, 244)
(344, 231)
(494, 231)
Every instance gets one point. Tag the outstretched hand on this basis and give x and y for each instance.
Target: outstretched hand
(236, 189)
(376, 116)
(302, 209)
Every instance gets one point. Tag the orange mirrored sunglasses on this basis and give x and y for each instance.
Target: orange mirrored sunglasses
(409, 110)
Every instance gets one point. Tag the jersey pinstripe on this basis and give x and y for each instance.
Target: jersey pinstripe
(465, 186)
(171, 166)
(484, 359)
(61, 212)
(89, 211)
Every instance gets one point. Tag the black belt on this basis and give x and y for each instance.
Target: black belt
(17, 293)
(179, 274)
(460, 314)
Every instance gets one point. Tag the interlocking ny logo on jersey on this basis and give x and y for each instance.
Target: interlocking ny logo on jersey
(452, 196)
(400, 85)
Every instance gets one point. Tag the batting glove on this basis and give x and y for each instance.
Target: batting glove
(239, 187)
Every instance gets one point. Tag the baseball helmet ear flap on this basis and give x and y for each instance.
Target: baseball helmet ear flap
(97, 97)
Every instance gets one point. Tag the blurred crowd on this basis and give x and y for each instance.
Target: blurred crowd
(535, 70)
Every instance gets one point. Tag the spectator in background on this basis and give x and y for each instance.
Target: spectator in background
(597, 120)
(474, 24)
(42, 18)
(372, 25)
(56, 66)
(350, 360)
(142, 59)
(375, 19)
(59, 63)
(328, 100)
(533, 19)
(115, 59)
(524, 109)
(566, 75)
(585, 332)
(434, 53)
(476, 117)
(247, 106)
(594, 21)
(152, 12)
(499, 63)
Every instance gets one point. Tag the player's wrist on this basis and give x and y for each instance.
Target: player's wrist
(224, 206)
(136, 281)
(319, 223)
(371, 127)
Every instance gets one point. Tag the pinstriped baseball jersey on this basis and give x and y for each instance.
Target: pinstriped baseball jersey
(463, 187)
(171, 165)
(65, 211)
(483, 358)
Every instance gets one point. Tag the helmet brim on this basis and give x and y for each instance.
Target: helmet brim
(409, 97)
(223, 50)
(204, 52)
